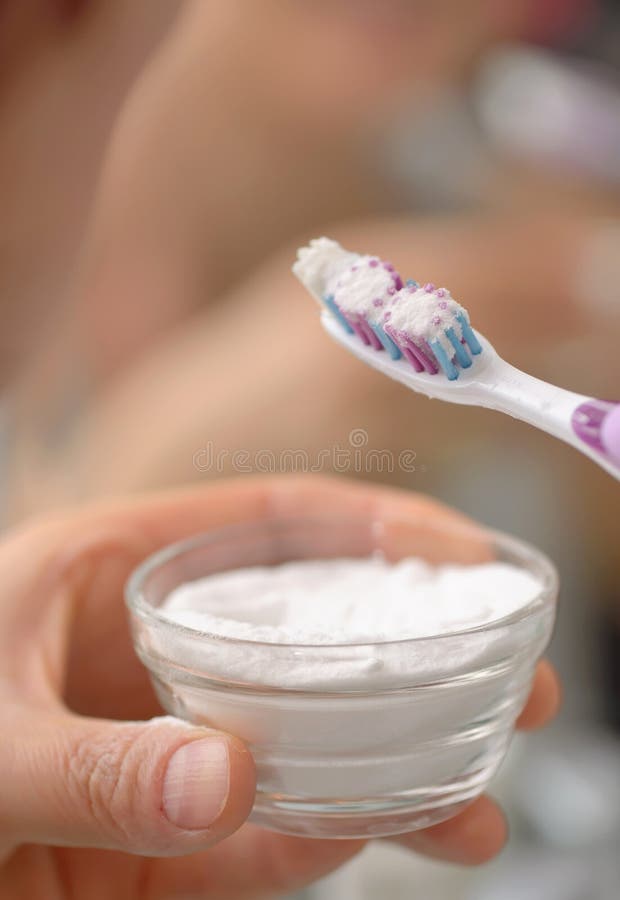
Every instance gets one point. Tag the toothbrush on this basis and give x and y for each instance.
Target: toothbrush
(421, 336)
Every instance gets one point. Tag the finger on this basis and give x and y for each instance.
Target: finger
(86, 558)
(252, 863)
(472, 837)
(99, 621)
(544, 700)
(154, 788)
(174, 515)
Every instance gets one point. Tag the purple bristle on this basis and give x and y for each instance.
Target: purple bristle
(428, 357)
(372, 338)
(419, 355)
(412, 359)
(353, 321)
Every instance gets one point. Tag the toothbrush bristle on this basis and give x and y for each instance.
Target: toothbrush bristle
(423, 324)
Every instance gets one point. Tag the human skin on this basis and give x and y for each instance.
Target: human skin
(212, 380)
(142, 144)
(87, 807)
(213, 163)
(143, 286)
(118, 314)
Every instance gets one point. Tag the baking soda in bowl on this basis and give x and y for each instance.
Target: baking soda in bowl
(376, 697)
(347, 601)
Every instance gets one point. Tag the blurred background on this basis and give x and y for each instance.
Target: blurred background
(160, 161)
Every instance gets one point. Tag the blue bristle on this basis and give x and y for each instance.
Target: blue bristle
(330, 303)
(387, 341)
(468, 333)
(410, 282)
(444, 361)
(461, 353)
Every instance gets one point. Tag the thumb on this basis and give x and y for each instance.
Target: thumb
(157, 788)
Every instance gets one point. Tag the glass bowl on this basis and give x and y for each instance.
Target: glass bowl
(350, 740)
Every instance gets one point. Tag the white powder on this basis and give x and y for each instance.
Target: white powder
(358, 602)
(320, 263)
(337, 601)
(362, 285)
(365, 288)
(426, 314)
(427, 719)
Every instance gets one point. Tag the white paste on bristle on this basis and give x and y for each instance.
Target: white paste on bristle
(357, 289)
(327, 269)
(319, 265)
(416, 313)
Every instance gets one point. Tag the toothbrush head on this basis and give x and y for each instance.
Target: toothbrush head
(433, 384)
(366, 296)
(319, 263)
(432, 330)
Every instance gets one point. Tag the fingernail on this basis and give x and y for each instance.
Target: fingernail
(196, 784)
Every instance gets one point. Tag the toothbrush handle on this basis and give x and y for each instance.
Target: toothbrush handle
(597, 423)
(610, 433)
(591, 426)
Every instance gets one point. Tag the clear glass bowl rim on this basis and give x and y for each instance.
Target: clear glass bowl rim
(529, 558)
